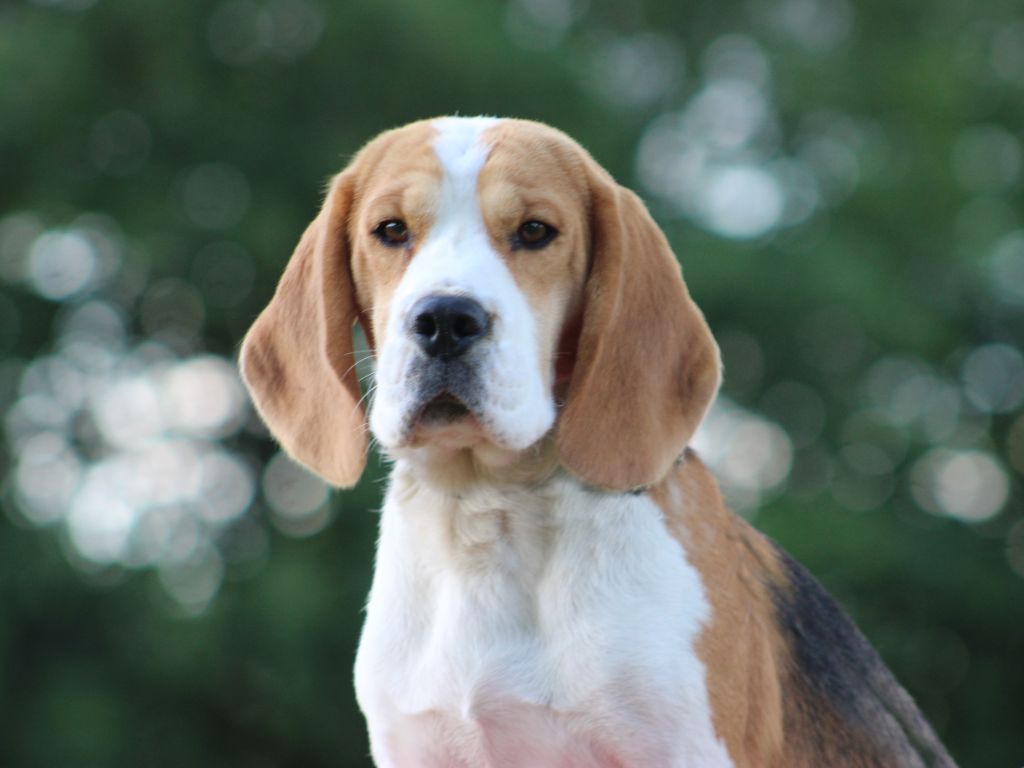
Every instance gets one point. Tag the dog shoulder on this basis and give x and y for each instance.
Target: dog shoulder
(847, 701)
(791, 679)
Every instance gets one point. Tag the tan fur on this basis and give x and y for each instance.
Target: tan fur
(644, 347)
(396, 177)
(740, 647)
(297, 357)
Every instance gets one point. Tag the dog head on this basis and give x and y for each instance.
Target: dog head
(509, 289)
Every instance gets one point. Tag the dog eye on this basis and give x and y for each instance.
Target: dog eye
(534, 234)
(392, 232)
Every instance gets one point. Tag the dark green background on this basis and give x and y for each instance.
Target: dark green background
(99, 667)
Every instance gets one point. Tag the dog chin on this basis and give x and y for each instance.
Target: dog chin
(464, 432)
(446, 427)
(446, 423)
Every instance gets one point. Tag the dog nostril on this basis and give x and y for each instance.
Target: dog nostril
(465, 326)
(426, 325)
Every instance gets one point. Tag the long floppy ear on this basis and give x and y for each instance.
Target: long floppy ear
(647, 366)
(297, 358)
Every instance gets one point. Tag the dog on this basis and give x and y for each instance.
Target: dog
(558, 582)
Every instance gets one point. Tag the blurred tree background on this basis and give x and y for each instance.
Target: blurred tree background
(842, 181)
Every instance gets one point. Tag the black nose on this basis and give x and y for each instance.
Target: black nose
(447, 326)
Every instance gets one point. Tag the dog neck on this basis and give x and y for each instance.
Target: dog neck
(482, 466)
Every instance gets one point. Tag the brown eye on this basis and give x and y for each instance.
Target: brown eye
(392, 232)
(534, 234)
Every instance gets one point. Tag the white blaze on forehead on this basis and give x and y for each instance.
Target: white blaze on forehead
(456, 257)
(460, 148)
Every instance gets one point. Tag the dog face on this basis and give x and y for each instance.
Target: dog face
(470, 276)
(508, 286)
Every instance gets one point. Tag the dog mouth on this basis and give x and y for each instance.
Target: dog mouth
(446, 408)
(446, 422)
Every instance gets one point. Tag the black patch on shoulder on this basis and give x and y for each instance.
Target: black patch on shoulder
(829, 650)
(845, 673)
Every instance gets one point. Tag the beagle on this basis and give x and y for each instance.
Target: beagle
(558, 583)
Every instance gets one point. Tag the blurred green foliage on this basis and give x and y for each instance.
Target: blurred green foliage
(858, 251)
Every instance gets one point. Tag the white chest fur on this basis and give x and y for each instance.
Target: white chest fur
(535, 628)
